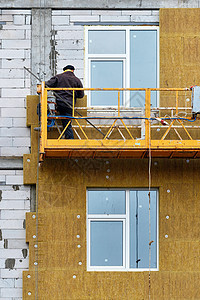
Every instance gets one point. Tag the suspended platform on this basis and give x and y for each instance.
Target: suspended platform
(167, 130)
(128, 149)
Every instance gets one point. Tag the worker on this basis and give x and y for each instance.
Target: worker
(64, 98)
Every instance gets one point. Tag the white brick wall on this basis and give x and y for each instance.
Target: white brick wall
(15, 52)
(19, 122)
(144, 19)
(25, 142)
(9, 205)
(17, 253)
(19, 19)
(11, 224)
(18, 63)
(12, 34)
(70, 34)
(13, 234)
(71, 12)
(7, 283)
(14, 151)
(16, 195)
(137, 12)
(6, 142)
(14, 203)
(19, 44)
(26, 12)
(105, 12)
(111, 18)
(13, 92)
(13, 112)
(13, 132)
(82, 18)
(5, 53)
(11, 73)
(5, 122)
(63, 20)
(5, 83)
(70, 44)
(12, 102)
(6, 273)
(13, 214)
(19, 244)
(11, 292)
(6, 17)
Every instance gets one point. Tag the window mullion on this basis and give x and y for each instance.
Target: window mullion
(88, 244)
(127, 231)
(89, 82)
(127, 98)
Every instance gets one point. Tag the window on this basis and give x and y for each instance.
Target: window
(104, 79)
(118, 229)
(121, 57)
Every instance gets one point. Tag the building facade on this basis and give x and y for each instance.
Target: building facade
(77, 206)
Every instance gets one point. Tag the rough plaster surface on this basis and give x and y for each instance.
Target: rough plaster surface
(41, 48)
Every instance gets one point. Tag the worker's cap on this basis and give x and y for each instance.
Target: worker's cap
(69, 67)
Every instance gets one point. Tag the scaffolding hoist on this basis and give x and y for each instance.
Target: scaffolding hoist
(169, 130)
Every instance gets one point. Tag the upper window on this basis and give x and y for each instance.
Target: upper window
(118, 229)
(121, 57)
(107, 41)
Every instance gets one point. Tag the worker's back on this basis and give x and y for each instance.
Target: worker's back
(66, 80)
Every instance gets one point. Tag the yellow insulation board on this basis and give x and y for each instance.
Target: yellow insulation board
(62, 197)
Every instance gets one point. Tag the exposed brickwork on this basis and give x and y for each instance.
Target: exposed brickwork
(14, 203)
(15, 84)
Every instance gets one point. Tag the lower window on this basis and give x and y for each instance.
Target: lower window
(118, 226)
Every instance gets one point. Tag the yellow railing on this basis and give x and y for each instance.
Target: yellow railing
(172, 119)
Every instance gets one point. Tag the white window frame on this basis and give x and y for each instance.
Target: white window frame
(102, 218)
(123, 75)
(125, 57)
(126, 232)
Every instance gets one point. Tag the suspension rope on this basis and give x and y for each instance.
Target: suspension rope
(149, 194)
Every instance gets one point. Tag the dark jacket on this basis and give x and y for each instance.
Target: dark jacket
(66, 80)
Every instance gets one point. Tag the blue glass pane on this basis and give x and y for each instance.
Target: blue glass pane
(106, 243)
(106, 202)
(143, 53)
(106, 74)
(106, 42)
(139, 229)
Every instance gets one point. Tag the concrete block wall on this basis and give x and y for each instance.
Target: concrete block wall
(68, 32)
(14, 203)
(15, 53)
